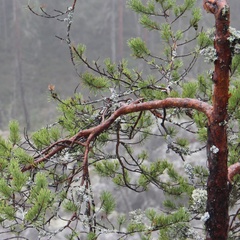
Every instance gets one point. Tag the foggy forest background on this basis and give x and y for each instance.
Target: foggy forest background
(32, 57)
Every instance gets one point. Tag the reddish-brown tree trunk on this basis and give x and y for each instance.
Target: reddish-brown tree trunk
(217, 149)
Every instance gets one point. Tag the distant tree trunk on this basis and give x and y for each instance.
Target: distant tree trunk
(4, 23)
(18, 62)
(217, 146)
(120, 30)
(113, 31)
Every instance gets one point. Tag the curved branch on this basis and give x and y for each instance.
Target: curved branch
(136, 106)
(233, 170)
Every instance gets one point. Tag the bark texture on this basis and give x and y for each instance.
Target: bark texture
(217, 148)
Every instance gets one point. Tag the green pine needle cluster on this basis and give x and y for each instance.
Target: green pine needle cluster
(189, 89)
(107, 168)
(40, 200)
(18, 178)
(234, 100)
(14, 136)
(107, 202)
(95, 83)
(44, 137)
(138, 47)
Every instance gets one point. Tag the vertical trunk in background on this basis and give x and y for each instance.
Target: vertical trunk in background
(113, 31)
(145, 35)
(4, 17)
(18, 62)
(217, 148)
(120, 30)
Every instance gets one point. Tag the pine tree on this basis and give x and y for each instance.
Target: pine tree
(56, 174)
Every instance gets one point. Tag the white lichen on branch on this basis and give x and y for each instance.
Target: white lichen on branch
(199, 198)
(209, 53)
(234, 40)
(205, 217)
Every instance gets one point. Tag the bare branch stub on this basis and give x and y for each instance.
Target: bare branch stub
(210, 6)
(233, 170)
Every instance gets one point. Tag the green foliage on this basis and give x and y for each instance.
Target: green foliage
(196, 17)
(188, 4)
(202, 134)
(103, 138)
(95, 83)
(149, 93)
(3, 164)
(200, 119)
(182, 186)
(40, 205)
(167, 5)
(178, 36)
(73, 236)
(71, 109)
(183, 142)
(235, 65)
(201, 172)
(22, 156)
(138, 47)
(108, 202)
(189, 90)
(107, 168)
(5, 189)
(204, 40)
(81, 48)
(41, 188)
(152, 172)
(234, 100)
(40, 183)
(138, 7)
(18, 178)
(40, 200)
(121, 219)
(122, 180)
(179, 231)
(70, 206)
(166, 32)
(204, 87)
(146, 22)
(54, 134)
(136, 227)
(172, 131)
(6, 212)
(5, 148)
(169, 204)
(180, 9)
(110, 66)
(41, 138)
(14, 132)
(162, 220)
(91, 236)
